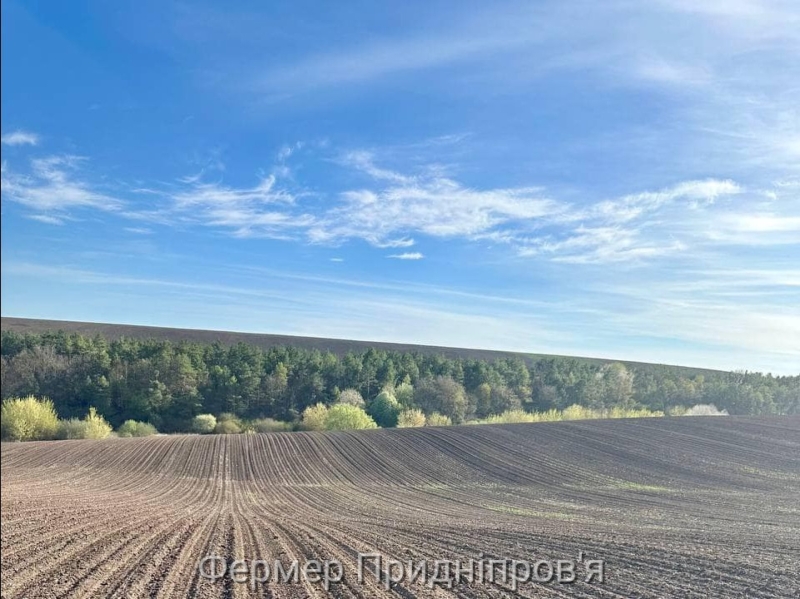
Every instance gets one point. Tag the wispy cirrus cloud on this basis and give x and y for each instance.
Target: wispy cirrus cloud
(398, 206)
(260, 210)
(396, 209)
(407, 256)
(52, 187)
(19, 138)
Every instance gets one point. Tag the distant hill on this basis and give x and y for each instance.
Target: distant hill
(266, 341)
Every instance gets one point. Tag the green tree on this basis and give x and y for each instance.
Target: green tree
(342, 417)
(444, 395)
(404, 393)
(385, 409)
(351, 397)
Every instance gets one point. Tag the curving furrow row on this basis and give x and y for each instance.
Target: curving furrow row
(690, 507)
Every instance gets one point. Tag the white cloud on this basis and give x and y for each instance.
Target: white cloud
(20, 138)
(695, 193)
(50, 189)
(407, 256)
(393, 208)
(263, 210)
(400, 205)
(47, 219)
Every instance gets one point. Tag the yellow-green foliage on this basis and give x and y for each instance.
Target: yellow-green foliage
(133, 428)
(314, 417)
(268, 425)
(204, 423)
(28, 419)
(227, 427)
(574, 412)
(508, 417)
(633, 413)
(437, 419)
(410, 419)
(96, 425)
(93, 426)
(74, 428)
(343, 417)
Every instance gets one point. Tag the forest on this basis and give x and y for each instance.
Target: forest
(167, 384)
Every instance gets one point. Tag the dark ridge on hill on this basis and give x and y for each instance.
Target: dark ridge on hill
(266, 341)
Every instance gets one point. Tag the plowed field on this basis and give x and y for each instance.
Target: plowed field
(682, 507)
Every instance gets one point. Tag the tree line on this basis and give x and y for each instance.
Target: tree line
(167, 384)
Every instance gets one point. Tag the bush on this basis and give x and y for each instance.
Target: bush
(133, 428)
(705, 410)
(573, 412)
(342, 417)
(227, 427)
(204, 424)
(509, 417)
(96, 426)
(618, 412)
(410, 418)
(268, 425)
(314, 417)
(437, 419)
(93, 426)
(576, 412)
(74, 428)
(385, 409)
(28, 419)
(351, 397)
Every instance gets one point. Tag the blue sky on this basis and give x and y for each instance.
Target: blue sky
(617, 179)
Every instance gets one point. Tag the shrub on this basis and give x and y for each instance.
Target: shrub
(74, 428)
(573, 412)
(351, 397)
(576, 412)
(28, 419)
(204, 424)
(618, 412)
(227, 427)
(705, 410)
(342, 417)
(133, 428)
(96, 426)
(314, 417)
(509, 417)
(437, 419)
(385, 409)
(268, 425)
(410, 418)
(93, 426)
